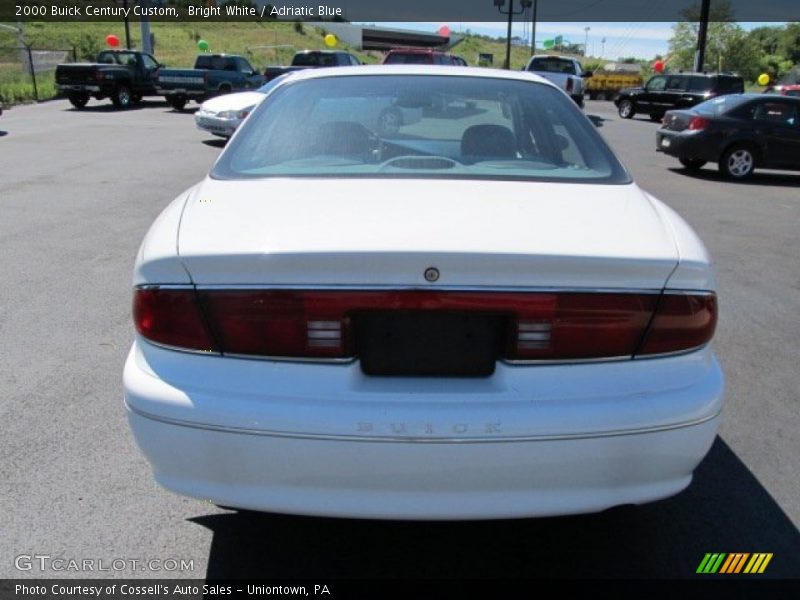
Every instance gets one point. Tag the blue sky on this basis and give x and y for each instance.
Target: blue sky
(643, 40)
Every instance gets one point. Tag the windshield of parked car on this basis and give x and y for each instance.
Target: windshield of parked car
(419, 126)
(720, 105)
(552, 65)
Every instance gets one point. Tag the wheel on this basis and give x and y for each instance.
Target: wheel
(693, 164)
(593, 95)
(601, 96)
(738, 162)
(177, 102)
(656, 116)
(390, 121)
(122, 97)
(626, 109)
(224, 89)
(578, 100)
(78, 99)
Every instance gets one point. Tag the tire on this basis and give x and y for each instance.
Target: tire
(593, 95)
(177, 102)
(578, 100)
(738, 162)
(78, 99)
(224, 89)
(122, 97)
(693, 164)
(601, 96)
(626, 109)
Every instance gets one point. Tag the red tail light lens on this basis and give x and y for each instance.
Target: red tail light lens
(698, 124)
(681, 322)
(171, 317)
(570, 84)
(319, 324)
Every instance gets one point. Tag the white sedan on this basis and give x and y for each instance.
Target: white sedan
(477, 314)
(222, 115)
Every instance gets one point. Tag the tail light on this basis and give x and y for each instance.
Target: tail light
(172, 318)
(698, 124)
(319, 324)
(570, 84)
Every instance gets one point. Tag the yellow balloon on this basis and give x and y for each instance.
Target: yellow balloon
(330, 40)
(763, 79)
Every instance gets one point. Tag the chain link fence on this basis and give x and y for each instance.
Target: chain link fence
(28, 73)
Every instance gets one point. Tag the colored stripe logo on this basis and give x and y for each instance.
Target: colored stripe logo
(735, 562)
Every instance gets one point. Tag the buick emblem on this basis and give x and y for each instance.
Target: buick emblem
(431, 274)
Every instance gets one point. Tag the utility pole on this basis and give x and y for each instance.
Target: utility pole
(127, 26)
(533, 27)
(499, 6)
(586, 42)
(702, 34)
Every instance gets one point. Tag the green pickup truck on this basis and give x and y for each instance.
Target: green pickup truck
(213, 74)
(124, 76)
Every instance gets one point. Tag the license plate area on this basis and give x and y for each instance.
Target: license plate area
(429, 343)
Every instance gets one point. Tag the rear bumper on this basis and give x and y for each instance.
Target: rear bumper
(327, 440)
(683, 145)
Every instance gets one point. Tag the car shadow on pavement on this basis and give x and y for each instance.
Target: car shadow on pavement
(108, 107)
(215, 143)
(3, 133)
(596, 120)
(710, 173)
(724, 510)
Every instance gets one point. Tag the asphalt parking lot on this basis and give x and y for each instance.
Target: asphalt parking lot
(78, 190)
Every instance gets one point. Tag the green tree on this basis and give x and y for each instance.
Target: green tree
(728, 46)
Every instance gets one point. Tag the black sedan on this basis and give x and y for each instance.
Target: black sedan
(739, 132)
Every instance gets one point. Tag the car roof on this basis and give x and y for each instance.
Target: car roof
(363, 70)
(700, 74)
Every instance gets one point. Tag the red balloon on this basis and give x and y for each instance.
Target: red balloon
(112, 40)
(444, 31)
(658, 66)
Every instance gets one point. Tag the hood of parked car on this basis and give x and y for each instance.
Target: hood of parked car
(232, 102)
(384, 231)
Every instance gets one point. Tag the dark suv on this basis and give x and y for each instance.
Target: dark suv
(675, 91)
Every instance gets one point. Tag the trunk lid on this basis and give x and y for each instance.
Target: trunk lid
(366, 232)
(677, 120)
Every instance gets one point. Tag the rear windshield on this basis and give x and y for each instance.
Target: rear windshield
(552, 65)
(419, 126)
(215, 63)
(314, 59)
(720, 105)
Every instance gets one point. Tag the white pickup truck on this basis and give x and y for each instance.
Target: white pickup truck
(563, 71)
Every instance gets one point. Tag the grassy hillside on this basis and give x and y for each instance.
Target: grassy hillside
(176, 46)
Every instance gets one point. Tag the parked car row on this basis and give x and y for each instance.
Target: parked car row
(127, 76)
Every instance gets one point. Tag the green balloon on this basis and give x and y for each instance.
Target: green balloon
(203, 45)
